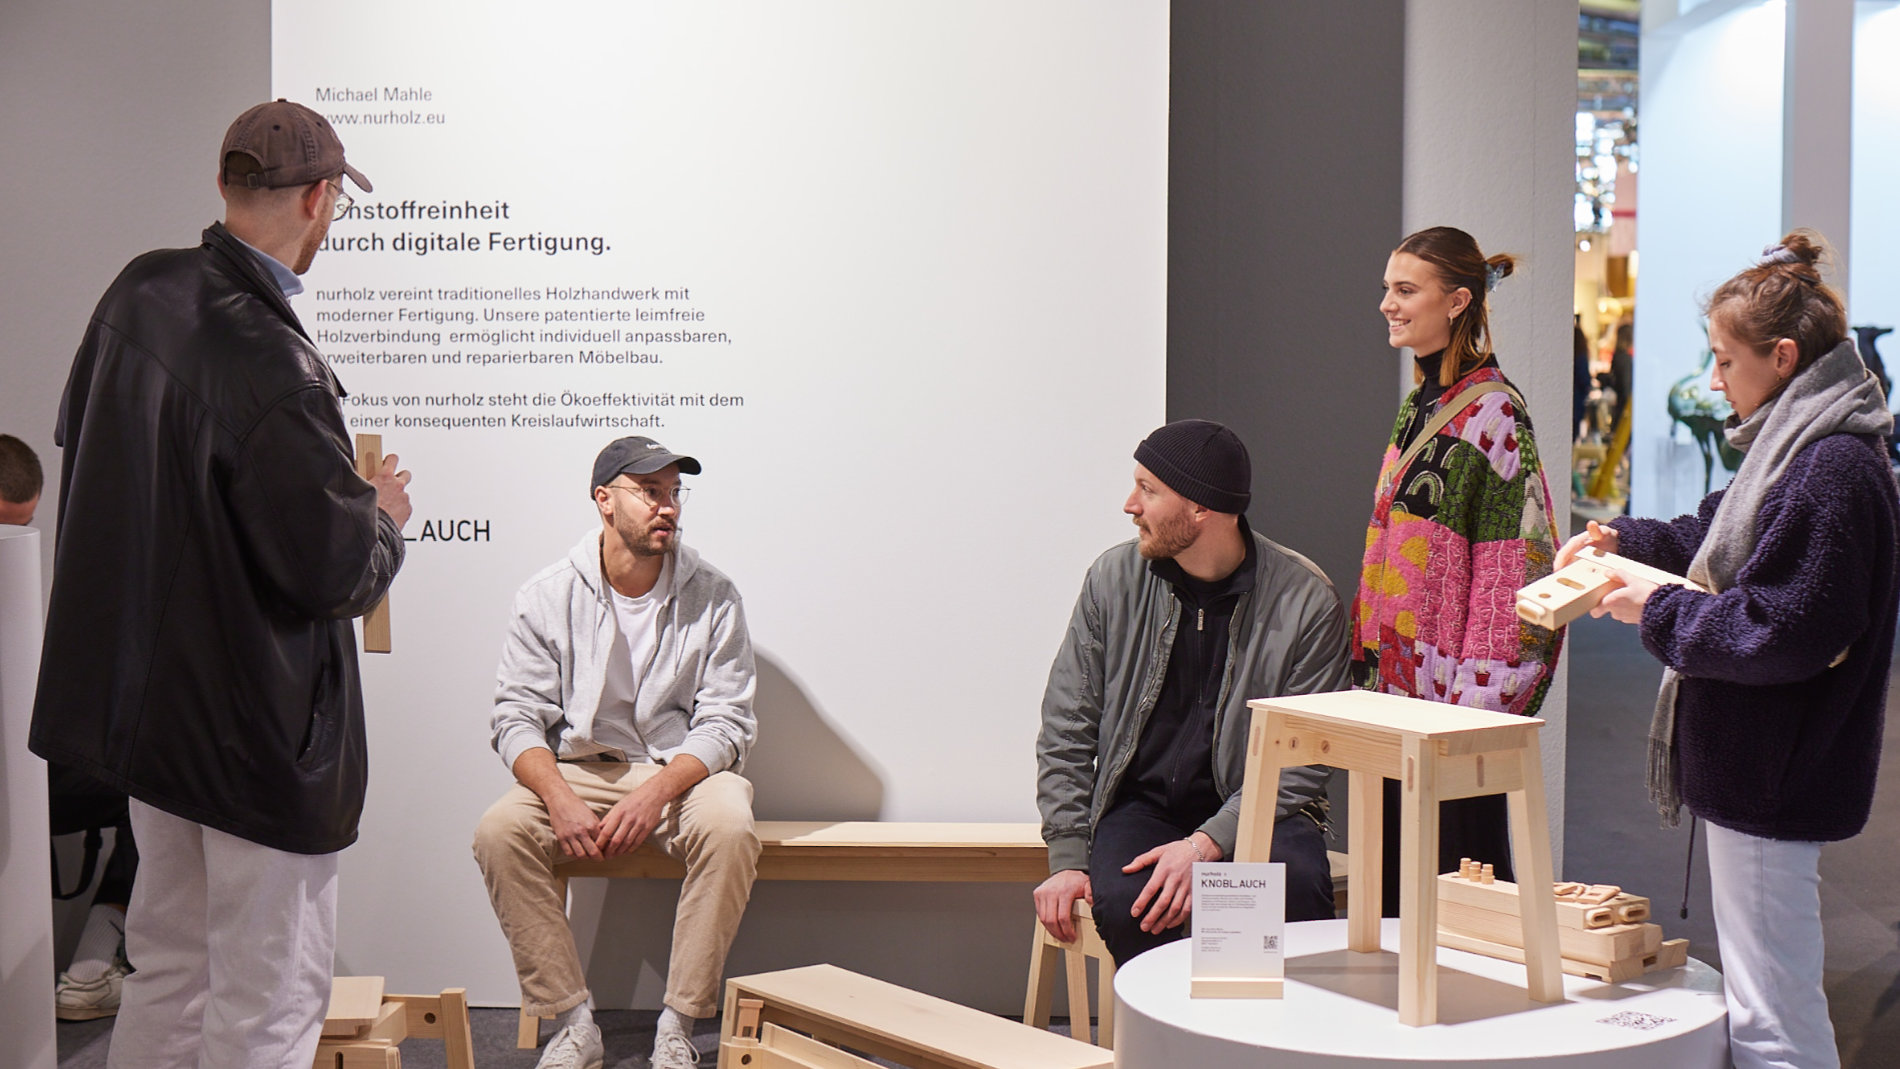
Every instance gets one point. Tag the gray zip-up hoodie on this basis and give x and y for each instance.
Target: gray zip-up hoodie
(696, 699)
(1287, 637)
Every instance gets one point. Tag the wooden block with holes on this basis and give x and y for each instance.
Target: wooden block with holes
(369, 458)
(1570, 591)
(1501, 896)
(361, 1034)
(1668, 954)
(847, 1012)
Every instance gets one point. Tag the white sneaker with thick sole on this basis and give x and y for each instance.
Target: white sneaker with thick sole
(89, 1000)
(575, 1047)
(674, 1051)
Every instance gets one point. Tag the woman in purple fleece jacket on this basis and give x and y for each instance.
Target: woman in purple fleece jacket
(1769, 720)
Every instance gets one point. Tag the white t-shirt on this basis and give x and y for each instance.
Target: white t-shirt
(635, 645)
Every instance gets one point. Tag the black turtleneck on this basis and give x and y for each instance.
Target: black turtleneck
(1430, 392)
(1173, 766)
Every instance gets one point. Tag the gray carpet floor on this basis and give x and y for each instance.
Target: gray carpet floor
(1611, 836)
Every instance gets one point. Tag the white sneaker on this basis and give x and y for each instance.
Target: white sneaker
(673, 1051)
(88, 1000)
(575, 1047)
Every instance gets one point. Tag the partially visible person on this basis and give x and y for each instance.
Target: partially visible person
(1461, 519)
(1581, 378)
(623, 708)
(1768, 724)
(1143, 746)
(89, 987)
(213, 543)
(20, 481)
(1622, 377)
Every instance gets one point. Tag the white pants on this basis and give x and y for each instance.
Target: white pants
(233, 944)
(1768, 924)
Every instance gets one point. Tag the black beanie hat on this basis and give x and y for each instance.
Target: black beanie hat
(1202, 461)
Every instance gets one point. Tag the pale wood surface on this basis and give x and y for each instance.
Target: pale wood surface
(1436, 752)
(1371, 715)
(1365, 862)
(1501, 897)
(1577, 587)
(1603, 946)
(397, 1017)
(1044, 951)
(376, 638)
(1530, 849)
(1236, 987)
(853, 850)
(355, 1001)
(1668, 954)
(909, 1027)
(780, 1048)
(1418, 893)
(872, 850)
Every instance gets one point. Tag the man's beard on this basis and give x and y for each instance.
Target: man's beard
(1166, 541)
(640, 543)
(307, 252)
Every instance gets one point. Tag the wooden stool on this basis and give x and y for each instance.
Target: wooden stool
(1075, 956)
(1437, 753)
(364, 1026)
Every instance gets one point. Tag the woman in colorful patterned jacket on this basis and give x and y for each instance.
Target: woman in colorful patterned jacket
(1460, 520)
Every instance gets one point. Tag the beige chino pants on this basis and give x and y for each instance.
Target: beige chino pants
(708, 829)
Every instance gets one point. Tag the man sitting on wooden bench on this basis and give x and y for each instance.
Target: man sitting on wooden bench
(1144, 723)
(624, 708)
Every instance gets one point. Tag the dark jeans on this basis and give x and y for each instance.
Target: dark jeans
(1477, 828)
(1132, 828)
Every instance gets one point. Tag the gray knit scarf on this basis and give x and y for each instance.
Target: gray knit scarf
(1834, 395)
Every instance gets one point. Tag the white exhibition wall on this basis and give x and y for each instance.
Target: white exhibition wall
(1711, 172)
(895, 274)
(1874, 286)
(26, 926)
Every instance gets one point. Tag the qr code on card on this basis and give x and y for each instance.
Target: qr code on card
(1642, 1022)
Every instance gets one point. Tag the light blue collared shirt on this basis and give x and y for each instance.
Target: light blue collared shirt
(287, 279)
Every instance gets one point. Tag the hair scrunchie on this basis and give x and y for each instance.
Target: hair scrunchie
(1778, 254)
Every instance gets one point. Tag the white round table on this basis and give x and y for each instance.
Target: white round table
(1340, 1011)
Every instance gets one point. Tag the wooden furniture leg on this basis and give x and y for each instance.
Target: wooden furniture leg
(1530, 841)
(1042, 978)
(1077, 968)
(369, 458)
(1365, 861)
(1418, 884)
(1040, 997)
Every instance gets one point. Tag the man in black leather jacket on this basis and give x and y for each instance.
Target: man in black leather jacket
(214, 542)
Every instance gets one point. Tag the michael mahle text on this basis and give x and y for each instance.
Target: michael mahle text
(422, 243)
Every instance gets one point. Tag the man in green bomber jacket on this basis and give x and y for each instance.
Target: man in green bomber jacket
(1144, 723)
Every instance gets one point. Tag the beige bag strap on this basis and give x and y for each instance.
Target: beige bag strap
(1445, 415)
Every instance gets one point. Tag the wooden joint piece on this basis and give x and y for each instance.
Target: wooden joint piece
(749, 1011)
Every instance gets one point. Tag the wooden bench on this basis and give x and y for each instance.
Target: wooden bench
(841, 1011)
(852, 850)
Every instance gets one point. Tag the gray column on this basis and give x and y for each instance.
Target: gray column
(1817, 93)
(1490, 114)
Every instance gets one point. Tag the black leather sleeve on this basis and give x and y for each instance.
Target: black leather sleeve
(309, 523)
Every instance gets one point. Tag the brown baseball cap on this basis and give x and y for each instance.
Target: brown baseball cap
(293, 145)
